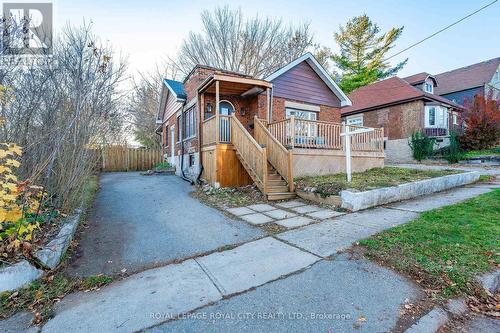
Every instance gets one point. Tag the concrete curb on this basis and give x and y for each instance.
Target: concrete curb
(22, 273)
(491, 281)
(18, 275)
(361, 200)
(437, 317)
(50, 256)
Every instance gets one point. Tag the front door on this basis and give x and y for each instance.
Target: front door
(225, 109)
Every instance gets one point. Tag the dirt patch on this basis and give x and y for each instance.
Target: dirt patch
(272, 228)
(229, 197)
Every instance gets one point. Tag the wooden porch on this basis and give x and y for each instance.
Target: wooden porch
(277, 151)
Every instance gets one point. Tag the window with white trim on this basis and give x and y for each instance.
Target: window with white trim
(301, 114)
(455, 119)
(429, 87)
(436, 116)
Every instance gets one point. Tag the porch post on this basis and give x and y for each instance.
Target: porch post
(217, 119)
(268, 109)
(292, 131)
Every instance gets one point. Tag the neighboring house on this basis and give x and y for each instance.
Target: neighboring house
(232, 129)
(402, 107)
(464, 83)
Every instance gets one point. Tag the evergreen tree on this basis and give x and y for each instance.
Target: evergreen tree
(362, 52)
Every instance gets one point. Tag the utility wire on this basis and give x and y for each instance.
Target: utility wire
(437, 32)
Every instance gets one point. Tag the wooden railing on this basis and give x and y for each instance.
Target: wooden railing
(277, 154)
(312, 134)
(252, 154)
(209, 130)
(224, 129)
(367, 141)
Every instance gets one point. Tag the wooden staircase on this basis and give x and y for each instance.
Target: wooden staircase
(277, 187)
(257, 156)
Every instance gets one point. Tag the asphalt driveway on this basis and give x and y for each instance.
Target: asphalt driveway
(141, 221)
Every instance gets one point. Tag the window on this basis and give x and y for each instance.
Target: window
(165, 136)
(455, 119)
(301, 114)
(189, 123)
(191, 160)
(432, 116)
(179, 128)
(225, 108)
(428, 87)
(355, 120)
(303, 129)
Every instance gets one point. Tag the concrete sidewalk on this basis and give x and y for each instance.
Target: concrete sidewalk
(161, 295)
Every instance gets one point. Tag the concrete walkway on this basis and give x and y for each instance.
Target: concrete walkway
(293, 274)
(142, 221)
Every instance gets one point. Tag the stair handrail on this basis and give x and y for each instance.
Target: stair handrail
(251, 152)
(279, 157)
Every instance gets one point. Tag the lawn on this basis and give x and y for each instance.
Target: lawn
(368, 180)
(444, 249)
(485, 152)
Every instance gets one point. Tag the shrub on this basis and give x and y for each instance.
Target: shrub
(421, 145)
(163, 166)
(454, 153)
(482, 123)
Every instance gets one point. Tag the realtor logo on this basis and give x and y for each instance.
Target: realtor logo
(27, 28)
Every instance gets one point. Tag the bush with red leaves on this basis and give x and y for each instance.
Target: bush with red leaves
(481, 120)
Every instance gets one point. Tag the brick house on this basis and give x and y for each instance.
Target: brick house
(402, 107)
(231, 129)
(466, 82)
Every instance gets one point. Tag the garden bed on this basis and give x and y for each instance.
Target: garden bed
(380, 186)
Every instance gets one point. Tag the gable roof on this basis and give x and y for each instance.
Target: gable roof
(315, 65)
(176, 88)
(472, 76)
(419, 78)
(389, 92)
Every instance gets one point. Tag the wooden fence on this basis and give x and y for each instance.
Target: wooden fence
(117, 158)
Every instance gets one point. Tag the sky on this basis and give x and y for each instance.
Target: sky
(148, 32)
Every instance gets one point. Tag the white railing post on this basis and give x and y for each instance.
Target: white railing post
(292, 131)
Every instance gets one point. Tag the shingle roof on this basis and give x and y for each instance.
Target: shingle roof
(177, 88)
(389, 91)
(417, 78)
(472, 76)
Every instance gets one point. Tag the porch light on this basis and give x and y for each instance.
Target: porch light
(209, 107)
(243, 111)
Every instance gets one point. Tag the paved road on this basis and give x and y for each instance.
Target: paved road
(139, 221)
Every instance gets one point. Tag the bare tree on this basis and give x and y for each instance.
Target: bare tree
(143, 104)
(255, 46)
(63, 109)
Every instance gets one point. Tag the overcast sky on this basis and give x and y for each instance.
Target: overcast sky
(148, 31)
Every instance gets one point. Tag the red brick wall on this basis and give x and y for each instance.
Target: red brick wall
(399, 121)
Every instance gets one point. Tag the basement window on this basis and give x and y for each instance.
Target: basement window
(191, 160)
